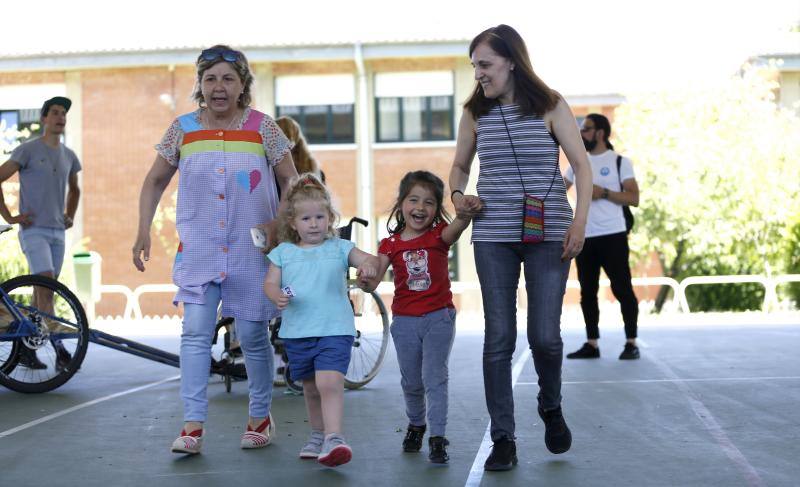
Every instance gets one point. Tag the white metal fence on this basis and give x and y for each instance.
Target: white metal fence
(134, 311)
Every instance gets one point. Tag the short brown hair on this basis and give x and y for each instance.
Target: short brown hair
(241, 66)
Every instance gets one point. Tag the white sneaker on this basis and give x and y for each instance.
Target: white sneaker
(335, 451)
(313, 446)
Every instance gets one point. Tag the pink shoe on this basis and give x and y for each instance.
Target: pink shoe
(190, 443)
(259, 437)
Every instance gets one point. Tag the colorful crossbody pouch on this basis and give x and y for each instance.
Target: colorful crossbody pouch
(533, 228)
(533, 220)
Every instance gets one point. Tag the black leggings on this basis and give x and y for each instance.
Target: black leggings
(611, 253)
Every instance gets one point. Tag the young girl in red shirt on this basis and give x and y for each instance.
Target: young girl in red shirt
(423, 315)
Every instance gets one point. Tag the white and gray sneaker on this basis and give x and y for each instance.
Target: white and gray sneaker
(313, 446)
(335, 451)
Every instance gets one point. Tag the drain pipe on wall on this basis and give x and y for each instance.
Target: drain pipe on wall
(366, 238)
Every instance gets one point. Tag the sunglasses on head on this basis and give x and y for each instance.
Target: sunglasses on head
(216, 53)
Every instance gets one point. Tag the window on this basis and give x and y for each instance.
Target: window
(323, 105)
(414, 107)
(323, 124)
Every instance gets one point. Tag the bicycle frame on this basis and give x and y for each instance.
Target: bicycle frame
(21, 326)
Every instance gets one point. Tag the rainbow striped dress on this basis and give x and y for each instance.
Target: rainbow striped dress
(226, 186)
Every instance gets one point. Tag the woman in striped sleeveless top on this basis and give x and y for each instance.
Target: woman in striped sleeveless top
(516, 124)
(229, 158)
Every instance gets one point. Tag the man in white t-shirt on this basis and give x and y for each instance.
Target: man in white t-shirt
(606, 244)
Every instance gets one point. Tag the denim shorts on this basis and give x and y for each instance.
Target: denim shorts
(308, 355)
(43, 248)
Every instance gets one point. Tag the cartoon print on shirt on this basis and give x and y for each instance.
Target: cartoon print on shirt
(417, 266)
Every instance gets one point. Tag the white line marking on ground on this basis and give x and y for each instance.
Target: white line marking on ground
(33, 423)
(195, 474)
(476, 472)
(647, 381)
(704, 415)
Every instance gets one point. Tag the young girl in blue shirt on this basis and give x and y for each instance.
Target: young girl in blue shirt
(307, 281)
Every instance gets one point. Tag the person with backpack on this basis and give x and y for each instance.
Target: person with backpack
(606, 244)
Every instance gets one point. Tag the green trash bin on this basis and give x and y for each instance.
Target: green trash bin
(88, 269)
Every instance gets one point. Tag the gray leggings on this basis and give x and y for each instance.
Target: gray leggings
(423, 345)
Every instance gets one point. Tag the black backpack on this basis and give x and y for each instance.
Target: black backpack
(626, 210)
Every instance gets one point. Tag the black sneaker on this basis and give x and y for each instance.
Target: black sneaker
(631, 352)
(63, 357)
(438, 449)
(413, 440)
(557, 435)
(28, 358)
(586, 351)
(503, 456)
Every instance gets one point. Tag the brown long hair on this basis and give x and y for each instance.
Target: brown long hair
(427, 180)
(306, 187)
(242, 68)
(531, 93)
(303, 160)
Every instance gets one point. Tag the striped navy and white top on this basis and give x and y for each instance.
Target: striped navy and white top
(499, 183)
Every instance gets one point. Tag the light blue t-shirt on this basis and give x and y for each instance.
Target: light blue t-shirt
(318, 278)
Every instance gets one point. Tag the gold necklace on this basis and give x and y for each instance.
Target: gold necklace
(235, 117)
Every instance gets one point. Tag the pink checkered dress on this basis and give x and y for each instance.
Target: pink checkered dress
(226, 186)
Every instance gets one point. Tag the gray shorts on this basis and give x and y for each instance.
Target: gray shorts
(43, 248)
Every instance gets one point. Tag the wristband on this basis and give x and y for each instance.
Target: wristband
(453, 193)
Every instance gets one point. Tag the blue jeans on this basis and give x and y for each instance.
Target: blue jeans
(423, 345)
(498, 266)
(199, 322)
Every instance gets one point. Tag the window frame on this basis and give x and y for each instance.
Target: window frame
(329, 136)
(427, 117)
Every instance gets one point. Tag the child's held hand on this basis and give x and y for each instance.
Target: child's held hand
(282, 301)
(366, 270)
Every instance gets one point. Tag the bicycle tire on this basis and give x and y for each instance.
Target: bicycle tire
(66, 327)
(291, 384)
(371, 340)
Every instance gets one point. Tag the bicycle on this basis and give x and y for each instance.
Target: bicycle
(369, 345)
(57, 333)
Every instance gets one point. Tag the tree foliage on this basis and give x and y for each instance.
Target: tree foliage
(719, 171)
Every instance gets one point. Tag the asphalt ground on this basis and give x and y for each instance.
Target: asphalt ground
(709, 403)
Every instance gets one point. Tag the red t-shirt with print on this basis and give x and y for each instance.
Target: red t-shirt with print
(421, 278)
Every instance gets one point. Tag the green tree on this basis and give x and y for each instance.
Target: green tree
(719, 171)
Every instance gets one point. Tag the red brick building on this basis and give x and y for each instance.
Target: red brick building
(372, 112)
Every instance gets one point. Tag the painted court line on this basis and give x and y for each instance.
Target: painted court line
(44, 419)
(648, 381)
(476, 472)
(710, 422)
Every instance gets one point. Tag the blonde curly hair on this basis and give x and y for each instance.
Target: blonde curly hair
(306, 187)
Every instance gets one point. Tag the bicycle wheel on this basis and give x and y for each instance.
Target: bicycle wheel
(295, 386)
(372, 337)
(48, 357)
